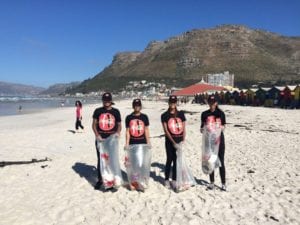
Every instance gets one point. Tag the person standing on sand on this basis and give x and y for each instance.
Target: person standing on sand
(215, 113)
(106, 122)
(173, 122)
(137, 127)
(78, 124)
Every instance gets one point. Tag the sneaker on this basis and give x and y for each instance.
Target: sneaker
(174, 186)
(112, 189)
(223, 188)
(98, 185)
(167, 184)
(141, 189)
(131, 187)
(211, 186)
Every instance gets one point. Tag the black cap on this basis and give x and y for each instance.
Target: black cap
(211, 99)
(106, 97)
(173, 99)
(136, 102)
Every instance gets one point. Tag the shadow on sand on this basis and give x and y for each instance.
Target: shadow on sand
(161, 179)
(86, 171)
(72, 131)
(90, 173)
(157, 178)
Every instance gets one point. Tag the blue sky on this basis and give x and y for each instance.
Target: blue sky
(44, 42)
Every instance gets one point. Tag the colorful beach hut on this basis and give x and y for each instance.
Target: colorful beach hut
(294, 98)
(261, 96)
(274, 94)
(297, 96)
(251, 94)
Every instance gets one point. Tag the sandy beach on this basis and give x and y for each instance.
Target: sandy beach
(262, 163)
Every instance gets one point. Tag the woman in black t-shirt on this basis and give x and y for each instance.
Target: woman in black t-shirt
(137, 126)
(137, 130)
(216, 115)
(106, 122)
(173, 122)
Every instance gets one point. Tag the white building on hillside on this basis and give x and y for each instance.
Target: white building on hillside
(221, 79)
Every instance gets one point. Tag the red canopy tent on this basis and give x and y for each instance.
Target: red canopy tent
(198, 89)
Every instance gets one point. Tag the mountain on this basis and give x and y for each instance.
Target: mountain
(57, 89)
(18, 89)
(252, 55)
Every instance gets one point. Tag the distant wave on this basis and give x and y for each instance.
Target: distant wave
(23, 99)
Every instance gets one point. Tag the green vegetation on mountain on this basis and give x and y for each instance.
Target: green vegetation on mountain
(252, 55)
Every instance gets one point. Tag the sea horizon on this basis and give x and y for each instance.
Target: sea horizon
(17, 105)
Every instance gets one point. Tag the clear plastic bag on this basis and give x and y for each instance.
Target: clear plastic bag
(109, 162)
(137, 163)
(211, 138)
(184, 176)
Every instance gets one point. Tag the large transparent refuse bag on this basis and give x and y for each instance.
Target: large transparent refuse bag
(211, 138)
(137, 163)
(184, 176)
(109, 162)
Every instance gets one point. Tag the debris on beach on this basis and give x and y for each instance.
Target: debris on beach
(250, 171)
(267, 130)
(9, 163)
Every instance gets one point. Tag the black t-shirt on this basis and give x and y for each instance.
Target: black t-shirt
(137, 125)
(213, 116)
(107, 121)
(174, 124)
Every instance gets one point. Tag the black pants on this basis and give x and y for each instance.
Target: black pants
(98, 162)
(221, 157)
(171, 158)
(78, 124)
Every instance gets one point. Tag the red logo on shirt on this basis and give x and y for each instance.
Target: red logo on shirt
(136, 128)
(210, 120)
(107, 121)
(175, 125)
(213, 123)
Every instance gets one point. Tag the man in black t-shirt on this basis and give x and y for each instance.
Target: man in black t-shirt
(106, 121)
(137, 123)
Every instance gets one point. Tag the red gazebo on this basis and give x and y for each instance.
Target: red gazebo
(198, 88)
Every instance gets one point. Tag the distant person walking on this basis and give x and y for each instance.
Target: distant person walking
(78, 123)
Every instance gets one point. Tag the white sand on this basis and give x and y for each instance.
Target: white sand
(62, 193)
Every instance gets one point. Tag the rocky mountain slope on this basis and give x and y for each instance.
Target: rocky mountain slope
(252, 55)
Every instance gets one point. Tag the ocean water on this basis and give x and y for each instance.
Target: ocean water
(16, 105)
